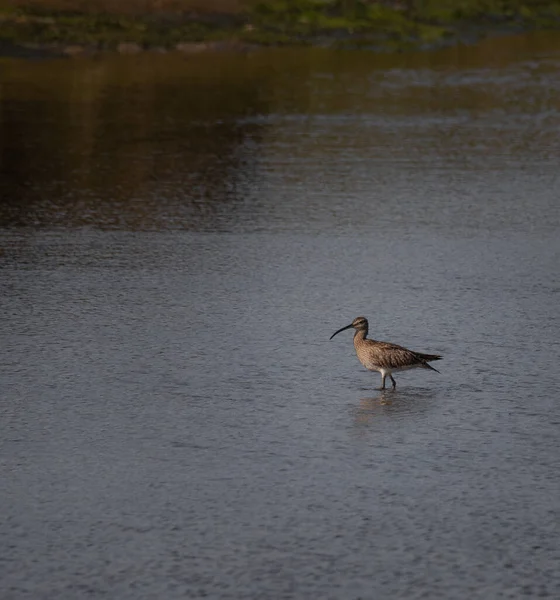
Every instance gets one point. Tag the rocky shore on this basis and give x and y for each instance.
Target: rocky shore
(42, 28)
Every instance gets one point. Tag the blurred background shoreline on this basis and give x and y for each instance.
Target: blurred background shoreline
(34, 28)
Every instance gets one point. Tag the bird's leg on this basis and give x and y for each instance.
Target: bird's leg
(383, 375)
(393, 382)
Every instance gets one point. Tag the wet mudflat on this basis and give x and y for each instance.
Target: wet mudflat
(180, 238)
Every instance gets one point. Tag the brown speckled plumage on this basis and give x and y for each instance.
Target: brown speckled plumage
(383, 356)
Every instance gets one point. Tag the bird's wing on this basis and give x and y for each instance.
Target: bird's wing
(392, 356)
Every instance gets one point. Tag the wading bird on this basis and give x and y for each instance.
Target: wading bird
(384, 357)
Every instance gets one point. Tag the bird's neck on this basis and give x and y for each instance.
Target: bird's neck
(360, 336)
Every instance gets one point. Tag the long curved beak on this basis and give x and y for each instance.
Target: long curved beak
(347, 327)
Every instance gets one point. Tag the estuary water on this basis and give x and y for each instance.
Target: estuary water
(180, 236)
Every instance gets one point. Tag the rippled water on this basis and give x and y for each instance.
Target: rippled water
(179, 239)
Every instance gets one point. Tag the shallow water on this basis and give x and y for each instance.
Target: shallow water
(180, 238)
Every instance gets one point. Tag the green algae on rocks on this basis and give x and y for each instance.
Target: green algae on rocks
(385, 25)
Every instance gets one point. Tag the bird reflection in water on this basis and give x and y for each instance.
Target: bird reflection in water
(390, 403)
(369, 408)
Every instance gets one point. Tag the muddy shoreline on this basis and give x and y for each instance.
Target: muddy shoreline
(384, 27)
(42, 51)
(38, 51)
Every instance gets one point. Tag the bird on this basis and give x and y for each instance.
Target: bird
(384, 357)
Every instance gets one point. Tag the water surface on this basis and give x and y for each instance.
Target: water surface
(179, 239)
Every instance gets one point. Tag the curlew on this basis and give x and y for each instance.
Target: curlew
(384, 357)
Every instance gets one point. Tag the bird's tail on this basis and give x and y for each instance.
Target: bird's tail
(428, 357)
(425, 358)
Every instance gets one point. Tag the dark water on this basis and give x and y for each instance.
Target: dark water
(179, 239)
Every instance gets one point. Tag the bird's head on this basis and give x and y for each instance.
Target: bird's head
(359, 324)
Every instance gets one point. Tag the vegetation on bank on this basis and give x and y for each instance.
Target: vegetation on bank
(141, 24)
